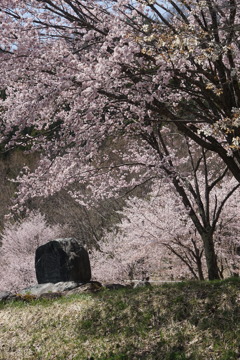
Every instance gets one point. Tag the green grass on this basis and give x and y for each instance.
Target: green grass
(179, 321)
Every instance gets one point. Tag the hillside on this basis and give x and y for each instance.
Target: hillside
(177, 321)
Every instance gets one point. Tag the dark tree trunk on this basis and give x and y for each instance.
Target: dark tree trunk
(211, 259)
(199, 267)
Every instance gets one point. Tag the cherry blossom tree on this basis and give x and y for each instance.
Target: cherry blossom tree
(156, 238)
(87, 66)
(17, 253)
(76, 74)
(147, 241)
(86, 70)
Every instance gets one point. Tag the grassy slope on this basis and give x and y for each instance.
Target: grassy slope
(169, 322)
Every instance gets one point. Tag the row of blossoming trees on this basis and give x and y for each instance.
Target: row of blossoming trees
(162, 75)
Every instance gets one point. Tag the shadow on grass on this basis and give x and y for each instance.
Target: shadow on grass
(167, 313)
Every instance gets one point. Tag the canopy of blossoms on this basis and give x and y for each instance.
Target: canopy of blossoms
(75, 74)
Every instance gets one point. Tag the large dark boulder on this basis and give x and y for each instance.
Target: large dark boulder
(62, 260)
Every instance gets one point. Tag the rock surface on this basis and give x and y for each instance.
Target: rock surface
(40, 289)
(62, 260)
(115, 286)
(6, 295)
(92, 286)
(52, 291)
(141, 284)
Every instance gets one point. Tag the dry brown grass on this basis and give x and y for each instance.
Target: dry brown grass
(183, 321)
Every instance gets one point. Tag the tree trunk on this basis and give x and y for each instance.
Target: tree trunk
(211, 259)
(199, 267)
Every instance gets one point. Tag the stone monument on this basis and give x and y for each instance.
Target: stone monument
(62, 260)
